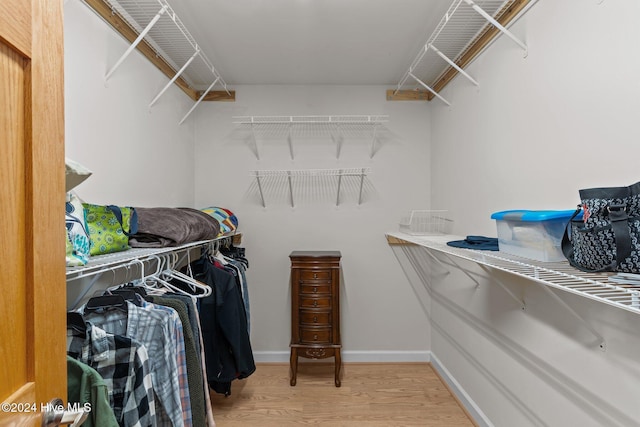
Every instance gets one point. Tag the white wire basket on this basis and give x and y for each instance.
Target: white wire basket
(425, 222)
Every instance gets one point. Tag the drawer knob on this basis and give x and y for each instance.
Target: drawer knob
(315, 303)
(315, 338)
(315, 319)
(315, 275)
(315, 289)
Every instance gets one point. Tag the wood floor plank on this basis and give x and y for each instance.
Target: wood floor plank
(372, 395)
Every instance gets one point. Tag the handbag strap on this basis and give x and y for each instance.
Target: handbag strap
(567, 247)
(619, 225)
(133, 220)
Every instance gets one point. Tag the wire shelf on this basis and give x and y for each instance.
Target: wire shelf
(102, 263)
(336, 127)
(314, 183)
(169, 38)
(357, 119)
(556, 275)
(464, 23)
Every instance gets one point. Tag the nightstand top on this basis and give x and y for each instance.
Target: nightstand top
(318, 254)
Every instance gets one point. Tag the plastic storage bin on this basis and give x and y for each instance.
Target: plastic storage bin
(532, 234)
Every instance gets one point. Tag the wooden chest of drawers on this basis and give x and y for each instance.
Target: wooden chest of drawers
(315, 308)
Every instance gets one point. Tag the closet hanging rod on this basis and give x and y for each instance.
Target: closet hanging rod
(118, 260)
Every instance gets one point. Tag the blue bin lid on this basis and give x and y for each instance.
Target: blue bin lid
(528, 215)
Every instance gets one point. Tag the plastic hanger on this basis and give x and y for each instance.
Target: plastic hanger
(75, 322)
(104, 303)
(193, 284)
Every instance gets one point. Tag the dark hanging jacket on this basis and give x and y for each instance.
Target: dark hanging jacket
(223, 321)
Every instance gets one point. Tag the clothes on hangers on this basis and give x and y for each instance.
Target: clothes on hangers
(237, 264)
(86, 385)
(124, 365)
(185, 306)
(155, 329)
(192, 358)
(223, 321)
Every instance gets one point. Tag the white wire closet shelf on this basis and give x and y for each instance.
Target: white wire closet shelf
(133, 258)
(296, 182)
(552, 275)
(158, 28)
(337, 127)
(558, 275)
(466, 28)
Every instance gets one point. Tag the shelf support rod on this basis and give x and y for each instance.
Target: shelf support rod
(440, 263)
(338, 140)
(464, 270)
(436, 94)
(453, 64)
(362, 174)
(264, 205)
(174, 78)
(199, 100)
(289, 141)
(414, 64)
(503, 286)
(290, 188)
(373, 141)
(339, 184)
(255, 140)
(575, 314)
(496, 24)
(137, 41)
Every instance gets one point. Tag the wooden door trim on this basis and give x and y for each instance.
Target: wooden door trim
(45, 185)
(15, 20)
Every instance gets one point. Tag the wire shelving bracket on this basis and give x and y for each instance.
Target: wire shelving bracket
(549, 275)
(157, 24)
(454, 37)
(290, 177)
(336, 126)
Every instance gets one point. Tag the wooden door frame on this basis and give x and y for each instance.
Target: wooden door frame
(35, 29)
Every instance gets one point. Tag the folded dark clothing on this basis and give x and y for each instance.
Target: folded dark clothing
(476, 242)
(161, 227)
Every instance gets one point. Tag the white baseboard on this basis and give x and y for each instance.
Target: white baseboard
(471, 407)
(353, 356)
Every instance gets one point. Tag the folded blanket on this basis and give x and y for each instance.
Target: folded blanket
(161, 227)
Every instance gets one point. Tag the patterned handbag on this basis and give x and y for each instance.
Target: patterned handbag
(77, 244)
(110, 227)
(607, 236)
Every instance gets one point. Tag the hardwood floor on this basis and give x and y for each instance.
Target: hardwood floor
(372, 395)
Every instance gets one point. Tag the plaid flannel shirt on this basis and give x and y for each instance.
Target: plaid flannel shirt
(175, 326)
(153, 329)
(124, 365)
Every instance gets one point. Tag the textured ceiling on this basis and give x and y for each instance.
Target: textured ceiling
(368, 42)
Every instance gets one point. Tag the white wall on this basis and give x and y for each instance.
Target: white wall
(142, 157)
(139, 156)
(539, 128)
(379, 310)
(536, 130)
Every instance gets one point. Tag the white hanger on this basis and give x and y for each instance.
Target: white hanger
(193, 283)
